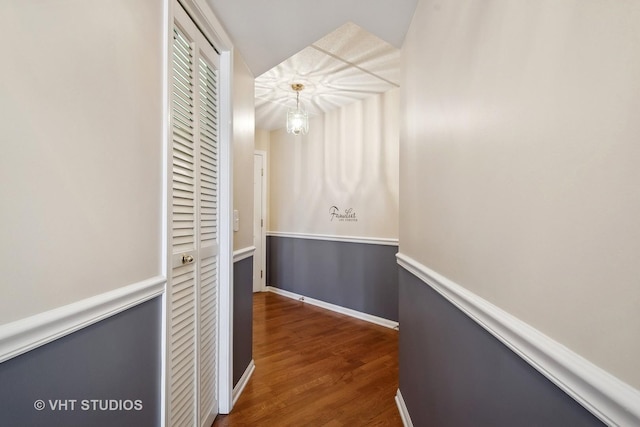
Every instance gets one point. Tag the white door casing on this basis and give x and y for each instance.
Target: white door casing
(259, 221)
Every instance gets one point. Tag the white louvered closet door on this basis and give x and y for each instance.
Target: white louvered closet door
(208, 242)
(192, 301)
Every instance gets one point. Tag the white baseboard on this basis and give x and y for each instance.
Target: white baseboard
(29, 333)
(402, 408)
(605, 396)
(243, 381)
(338, 309)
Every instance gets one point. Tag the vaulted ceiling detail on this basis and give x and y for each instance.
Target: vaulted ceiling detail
(346, 65)
(341, 50)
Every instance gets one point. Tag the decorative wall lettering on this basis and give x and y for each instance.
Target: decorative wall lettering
(347, 215)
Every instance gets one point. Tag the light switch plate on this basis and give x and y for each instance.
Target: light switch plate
(236, 220)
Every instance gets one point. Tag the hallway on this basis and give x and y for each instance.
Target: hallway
(317, 368)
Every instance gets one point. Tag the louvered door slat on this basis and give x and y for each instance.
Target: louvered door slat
(182, 136)
(208, 158)
(208, 171)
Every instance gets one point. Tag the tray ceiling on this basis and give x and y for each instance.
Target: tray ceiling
(344, 66)
(342, 50)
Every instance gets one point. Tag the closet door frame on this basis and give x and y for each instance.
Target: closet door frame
(214, 32)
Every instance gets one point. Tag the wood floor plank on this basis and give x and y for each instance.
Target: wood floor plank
(315, 367)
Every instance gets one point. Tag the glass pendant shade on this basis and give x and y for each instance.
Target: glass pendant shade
(297, 121)
(297, 118)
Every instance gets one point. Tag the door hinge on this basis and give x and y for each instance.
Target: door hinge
(261, 223)
(261, 172)
(261, 274)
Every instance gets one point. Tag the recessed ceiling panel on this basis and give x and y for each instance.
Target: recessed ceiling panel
(347, 65)
(266, 32)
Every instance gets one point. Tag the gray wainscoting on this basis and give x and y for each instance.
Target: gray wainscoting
(454, 373)
(242, 316)
(359, 276)
(117, 359)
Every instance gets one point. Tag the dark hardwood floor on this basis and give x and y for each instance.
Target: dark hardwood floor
(315, 367)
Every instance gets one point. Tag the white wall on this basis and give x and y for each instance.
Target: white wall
(263, 138)
(349, 159)
(519, 163)
(243, 147)
(81, 138)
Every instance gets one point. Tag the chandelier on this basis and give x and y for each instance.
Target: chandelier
(297, 118)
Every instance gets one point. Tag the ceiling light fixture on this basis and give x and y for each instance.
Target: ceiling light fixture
(297, 118)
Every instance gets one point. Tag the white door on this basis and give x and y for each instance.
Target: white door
(192, 293)
(259, 208)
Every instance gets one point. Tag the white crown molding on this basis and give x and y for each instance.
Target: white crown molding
(243, 253)
(404, 412)
(338, 309)
(605, 396)
(348, 239)
(243, 381)
(31, 332)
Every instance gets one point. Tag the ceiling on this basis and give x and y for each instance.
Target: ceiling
(346, 65)
(341, 50)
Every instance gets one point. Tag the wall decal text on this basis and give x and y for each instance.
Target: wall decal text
(346, 215)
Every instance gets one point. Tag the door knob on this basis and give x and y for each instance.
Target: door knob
(187, 259)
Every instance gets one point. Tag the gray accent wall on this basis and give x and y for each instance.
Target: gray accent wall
(359, 276)
(455, 373)
(116, 361)
(242, 317)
